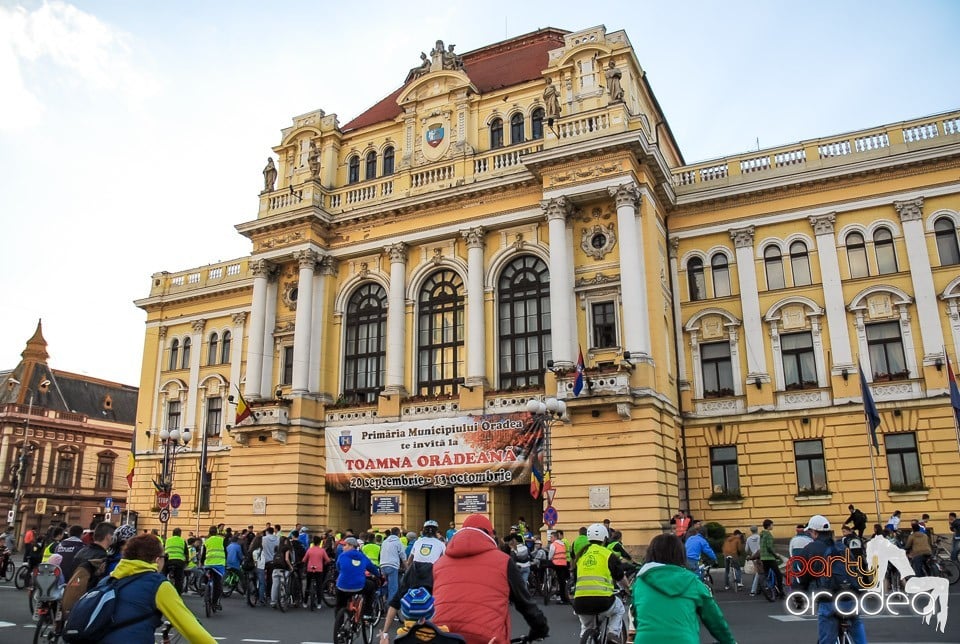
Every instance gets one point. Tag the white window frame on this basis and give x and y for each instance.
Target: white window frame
(714, 407)
(901, 302)
(801, 398)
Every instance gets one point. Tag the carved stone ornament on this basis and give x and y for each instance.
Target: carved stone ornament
(558, 208)
(289, 295)
(823, 224)
(674, 246)
(239, 319)
(437, 256)
(598, 241)
(262, 268)
(397, 252)
(474, 237)
(328, 265)
(597, 280)
(793, 317)
(627, 194)
(198, 325)
(910, 210)
(879, 306)
(711, 327)
(742, 237)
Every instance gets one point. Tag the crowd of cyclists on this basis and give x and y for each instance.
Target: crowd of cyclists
(462, 580)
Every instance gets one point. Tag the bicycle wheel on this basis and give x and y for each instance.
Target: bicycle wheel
(30, 599)
(950, 570)
(253, 589)
(208, 599)
(9, 570)
(767, 587)
(550, 587)
(230, 581)
(366, 630)
(44, 630)
(590, 636)
(22, 579)
(330, 590)
(313, 593)
(342, 627)
(283, 597)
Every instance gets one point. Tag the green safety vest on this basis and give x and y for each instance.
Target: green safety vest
(176, 548)
(593, 573)
(48, 551)
(566, 546)
(372, 551)
(216, 555)
(612, 546)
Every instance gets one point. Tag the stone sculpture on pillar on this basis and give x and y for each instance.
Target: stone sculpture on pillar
(613, 83)
(551, 100)
(269, 176)
(313, 159)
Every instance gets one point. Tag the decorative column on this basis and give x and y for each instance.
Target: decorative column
(750, 301)
(157, 407)
(561, 296)
(261, 270)
(328, 269)
(672, 248)
(303, 325)
(633, 279)
(925, 296)
(4, 448)
(190, 417)
(396, 318)
(833, 294)
(476, 329)
(236, 357)
(269, 324)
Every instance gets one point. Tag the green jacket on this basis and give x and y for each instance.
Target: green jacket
(670, 602)
(767, 553)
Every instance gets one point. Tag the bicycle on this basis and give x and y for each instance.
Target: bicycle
(768, 585)
(843, 632)
(703, 573)
(253, 588)
(209, 608)
(330, 587)
(24, 575)
(349, 622)
(937, 567)
(7, 568)
(165, 634)
(314, 592)
(49, 615)
(550, 587)
(284, 598)
(599, 631)
(233, 580)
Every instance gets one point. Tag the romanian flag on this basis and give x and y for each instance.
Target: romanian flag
(578, 383)
(536, 478)
(954, 391)
(132, 459)
(243, 410)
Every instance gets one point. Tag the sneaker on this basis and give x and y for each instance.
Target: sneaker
(740, 586)
(726, 587)
(753, 594)
(305, 605)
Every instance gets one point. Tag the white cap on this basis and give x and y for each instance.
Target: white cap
(819, 523)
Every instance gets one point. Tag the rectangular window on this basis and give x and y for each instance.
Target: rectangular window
(799, 366)
(64, 476)
(603, 316)
(717, 369)
(287, 377)
(214, 415)
(811, 468)
(903, 462)
(105, 474)
(723, 470)
(173, 414)
(887, 359)
(206, 483)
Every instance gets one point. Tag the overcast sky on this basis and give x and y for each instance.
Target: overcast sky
(133, 134)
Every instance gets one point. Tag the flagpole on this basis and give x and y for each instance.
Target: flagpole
(873, 470)
(866, 396)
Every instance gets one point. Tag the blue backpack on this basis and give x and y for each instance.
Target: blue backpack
(92, 617)
(840, 578)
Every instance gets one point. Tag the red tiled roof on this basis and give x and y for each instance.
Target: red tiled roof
(502, 64)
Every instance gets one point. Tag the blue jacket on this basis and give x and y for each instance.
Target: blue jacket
(234, 555)
(137, 598)
(698, 546)
(352, 566)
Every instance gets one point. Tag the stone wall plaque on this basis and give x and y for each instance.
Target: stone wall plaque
(879, 306)
(600, 497)
(711, 327)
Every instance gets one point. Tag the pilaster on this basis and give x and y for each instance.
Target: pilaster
(476, 325)
(823, 228)
(633, 280)
(396, 320)
(750, 302)
(307, 260)
(556, 212)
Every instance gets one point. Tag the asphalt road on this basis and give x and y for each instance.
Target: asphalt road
(752, 619)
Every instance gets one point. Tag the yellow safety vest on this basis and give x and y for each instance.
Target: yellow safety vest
(593, 573)
(372, 551)
(176, 548)
(216, 555)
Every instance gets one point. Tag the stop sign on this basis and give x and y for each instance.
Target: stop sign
(163, 499)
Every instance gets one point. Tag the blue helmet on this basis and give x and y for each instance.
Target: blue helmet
(417, 604)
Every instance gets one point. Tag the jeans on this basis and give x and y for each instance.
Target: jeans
(262, 585)
(918, 564)
(828, 625)
(393, 580)
(771, 564)
(279, 576)
(615, 615)
(731, 562)
(955, 553)
(525, 574)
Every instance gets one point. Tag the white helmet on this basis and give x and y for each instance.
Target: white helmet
(597, 532)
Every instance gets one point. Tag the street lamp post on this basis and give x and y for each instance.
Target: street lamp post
(25, 451)
(549, 412)
(174, 441)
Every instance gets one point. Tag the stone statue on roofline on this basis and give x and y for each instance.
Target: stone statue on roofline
(451, 60)
(551, 100)
(313, 159)
(613, 83)
(269, 176)
(422, 70)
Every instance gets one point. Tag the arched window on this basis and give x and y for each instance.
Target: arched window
(886, 255)
(800, 264)
(440, 342)
(174, 354)
(857, 255)
(371, 166)
(388, 161)
(721, 275)
(773, 265)
(536, 124)
(225, 348)
(353, 175)
(947, 246)
(212, 354)
(523, 293)
(695, 279)
(496, 134)
(185, 357)
(516, 128)
(365, 340)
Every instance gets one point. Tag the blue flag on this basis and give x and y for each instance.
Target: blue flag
(578, 383)
(954, 391)
(869, 409)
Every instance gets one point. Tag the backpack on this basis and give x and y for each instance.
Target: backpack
(523, 554)
(859, 518)
(92, 618)
(83, 579)
(298, 551)
(280, 557)
(840, 578)
(248, 564)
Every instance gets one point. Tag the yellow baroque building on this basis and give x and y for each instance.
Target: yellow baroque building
(422, 272)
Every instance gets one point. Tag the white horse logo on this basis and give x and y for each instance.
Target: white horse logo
(881, 554)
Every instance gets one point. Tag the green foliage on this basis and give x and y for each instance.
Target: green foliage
(715, 534)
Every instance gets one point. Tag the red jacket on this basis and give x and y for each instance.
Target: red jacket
(470, 588)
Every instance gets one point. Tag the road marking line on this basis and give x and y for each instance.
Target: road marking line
(6, 624)
(263, 641)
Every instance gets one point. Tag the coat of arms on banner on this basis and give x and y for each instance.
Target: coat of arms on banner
(346, 441)
(435, 135)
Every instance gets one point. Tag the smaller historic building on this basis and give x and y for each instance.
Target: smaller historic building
(64, 441)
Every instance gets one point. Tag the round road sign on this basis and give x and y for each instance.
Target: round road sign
(164, 515)
(175, 501)
(550, 516)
